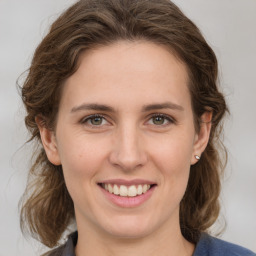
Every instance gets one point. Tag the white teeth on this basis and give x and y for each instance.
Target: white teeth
(145, 188)
(129, 191)
(109, 188)
(132, 191)
(123, 190)
(116, 190)
(139, 190)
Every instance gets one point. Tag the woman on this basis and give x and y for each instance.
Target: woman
(122, 98)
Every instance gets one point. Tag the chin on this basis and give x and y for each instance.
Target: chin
(129, 227)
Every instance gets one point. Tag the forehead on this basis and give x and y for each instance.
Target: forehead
(138, 70)
(138, 57)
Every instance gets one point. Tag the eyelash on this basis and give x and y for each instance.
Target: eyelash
(166, 117)
(88, 118)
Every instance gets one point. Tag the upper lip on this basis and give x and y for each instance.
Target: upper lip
(127, 182)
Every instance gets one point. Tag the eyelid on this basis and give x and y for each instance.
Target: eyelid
(87, 118)
(170, 119)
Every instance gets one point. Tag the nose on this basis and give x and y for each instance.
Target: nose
(128, 152)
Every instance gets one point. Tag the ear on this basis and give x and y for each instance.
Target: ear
(202, 137)
(48, 139)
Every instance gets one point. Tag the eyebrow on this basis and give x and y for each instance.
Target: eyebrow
(166, 105)
(145, 108)
(93, 106)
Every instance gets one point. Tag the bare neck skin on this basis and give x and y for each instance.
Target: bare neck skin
(166, 241)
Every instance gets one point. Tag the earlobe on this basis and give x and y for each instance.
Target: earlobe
(202, 138)
(48, 139)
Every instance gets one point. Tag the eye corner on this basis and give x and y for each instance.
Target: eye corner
(88, 121)
(165, 120)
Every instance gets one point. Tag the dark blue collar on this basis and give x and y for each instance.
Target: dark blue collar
(207, 246)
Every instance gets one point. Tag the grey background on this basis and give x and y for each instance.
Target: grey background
(229, 26)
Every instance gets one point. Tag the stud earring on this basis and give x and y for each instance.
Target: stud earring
(197, 157)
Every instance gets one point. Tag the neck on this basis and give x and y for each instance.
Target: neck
(167, 242)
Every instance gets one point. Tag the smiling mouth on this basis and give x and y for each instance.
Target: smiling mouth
(126, 191)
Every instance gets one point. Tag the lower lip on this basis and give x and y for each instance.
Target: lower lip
(128, 202)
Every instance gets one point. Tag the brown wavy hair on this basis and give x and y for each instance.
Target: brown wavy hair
(47, 208)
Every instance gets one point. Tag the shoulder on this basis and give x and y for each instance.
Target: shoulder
(67, 249)
(211, 246)
(56, 252)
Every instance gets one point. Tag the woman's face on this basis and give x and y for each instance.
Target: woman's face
(125, 139)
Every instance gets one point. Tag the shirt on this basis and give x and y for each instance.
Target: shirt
(207, 246)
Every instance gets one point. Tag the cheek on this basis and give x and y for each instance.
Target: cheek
(173, 152)
(80, 158)
(80, 163)
(173, 158)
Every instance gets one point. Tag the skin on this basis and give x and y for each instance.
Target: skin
(128, 143)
